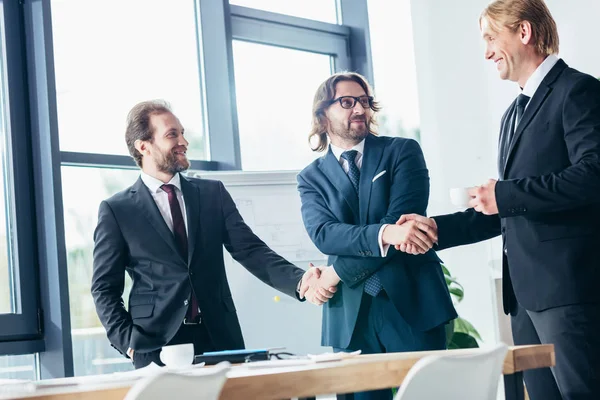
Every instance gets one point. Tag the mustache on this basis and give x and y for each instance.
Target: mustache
(363, 119)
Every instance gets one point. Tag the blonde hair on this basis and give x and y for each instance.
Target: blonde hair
(511, 13)
(325, 93)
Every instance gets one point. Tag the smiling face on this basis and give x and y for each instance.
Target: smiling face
(347, 127)
(506, 49)
(164, 155)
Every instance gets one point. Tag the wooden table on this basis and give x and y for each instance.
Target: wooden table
(364, 372)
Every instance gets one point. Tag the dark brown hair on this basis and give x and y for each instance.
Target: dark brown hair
(139, 127)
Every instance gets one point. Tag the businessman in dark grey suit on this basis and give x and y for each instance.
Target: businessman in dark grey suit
(168, 232)
(546, 205)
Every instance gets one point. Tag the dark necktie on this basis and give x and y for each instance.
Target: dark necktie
(180, 239)
(510, 128)
(522, 101)
(372, 284)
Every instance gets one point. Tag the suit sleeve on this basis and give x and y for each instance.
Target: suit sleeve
(409, 193)
(108, 279)
(250, 251)
(579, 184)
(465, 227)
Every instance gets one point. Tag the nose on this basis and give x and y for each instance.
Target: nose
(358, 108)
(488, 54)
(183, 141)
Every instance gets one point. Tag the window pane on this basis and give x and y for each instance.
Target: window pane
(6, 210)
(83, 190)
(274, 103)
(395, 71)
(319, 10)
(111, 54)
(17, 367)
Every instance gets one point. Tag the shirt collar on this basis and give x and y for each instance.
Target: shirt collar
(538, 75)
(337, 151)
(154, 184)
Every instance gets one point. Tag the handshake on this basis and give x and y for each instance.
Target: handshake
(412, 234)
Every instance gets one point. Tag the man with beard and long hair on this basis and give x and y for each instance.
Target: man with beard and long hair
(167, 232)
(351, 199)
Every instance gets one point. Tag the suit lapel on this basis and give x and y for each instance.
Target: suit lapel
(540, 95)
(336, 175)
(144, 201)
(191, 195)
(371, 158)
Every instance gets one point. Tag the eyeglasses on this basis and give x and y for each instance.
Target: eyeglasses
(278, 356)
(348, 102)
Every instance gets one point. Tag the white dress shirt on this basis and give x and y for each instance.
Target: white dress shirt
(161, 198)
(360, 148)
(535, 80)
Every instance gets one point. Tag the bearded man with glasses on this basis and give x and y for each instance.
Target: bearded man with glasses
(386, 300)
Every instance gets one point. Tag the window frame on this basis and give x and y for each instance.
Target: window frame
(23, 326)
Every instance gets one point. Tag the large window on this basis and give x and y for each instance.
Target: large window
(275, 89)
(395, 71)
(279, 62)
(83, 190)
(110, 55)
(239, 76)
(319, 10)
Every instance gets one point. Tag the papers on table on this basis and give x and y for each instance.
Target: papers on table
(302, 360)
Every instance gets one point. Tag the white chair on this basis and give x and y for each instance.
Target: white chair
(451, 377)
(201, 384)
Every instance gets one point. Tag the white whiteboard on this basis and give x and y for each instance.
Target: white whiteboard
(270, 204)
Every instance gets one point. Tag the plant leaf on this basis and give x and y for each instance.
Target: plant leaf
(462, 340)
(464, 326)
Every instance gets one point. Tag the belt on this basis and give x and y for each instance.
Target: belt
(195, 321)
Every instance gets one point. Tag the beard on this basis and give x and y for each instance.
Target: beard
(347, 132)
(170, 163)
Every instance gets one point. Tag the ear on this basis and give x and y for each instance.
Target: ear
(142, 147)
(525, 32)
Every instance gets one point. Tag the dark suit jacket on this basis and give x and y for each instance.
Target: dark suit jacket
(346, 226)
(132, 236)
(548, 200)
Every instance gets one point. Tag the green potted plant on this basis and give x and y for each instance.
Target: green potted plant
(460, 333)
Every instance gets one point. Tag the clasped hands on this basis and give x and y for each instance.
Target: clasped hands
(319, 284)
(415, 234)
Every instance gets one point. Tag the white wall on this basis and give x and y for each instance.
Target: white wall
(461, 101)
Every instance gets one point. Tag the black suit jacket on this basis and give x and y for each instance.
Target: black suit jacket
(548, 198)
(132, 236)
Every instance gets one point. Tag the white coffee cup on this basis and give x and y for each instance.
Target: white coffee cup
(178, 355)
(460, 197)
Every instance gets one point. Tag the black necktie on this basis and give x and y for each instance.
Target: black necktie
(181, 239)
(372, 285)
(510, 127)
(522, 101)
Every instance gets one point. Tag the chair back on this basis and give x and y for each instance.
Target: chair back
(457, 377)
(197, 384)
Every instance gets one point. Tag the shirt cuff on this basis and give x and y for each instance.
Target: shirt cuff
(383, 249)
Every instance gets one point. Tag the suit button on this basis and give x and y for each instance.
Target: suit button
(191, 273)
(186, 302)
(503, 230)
(505, 251)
